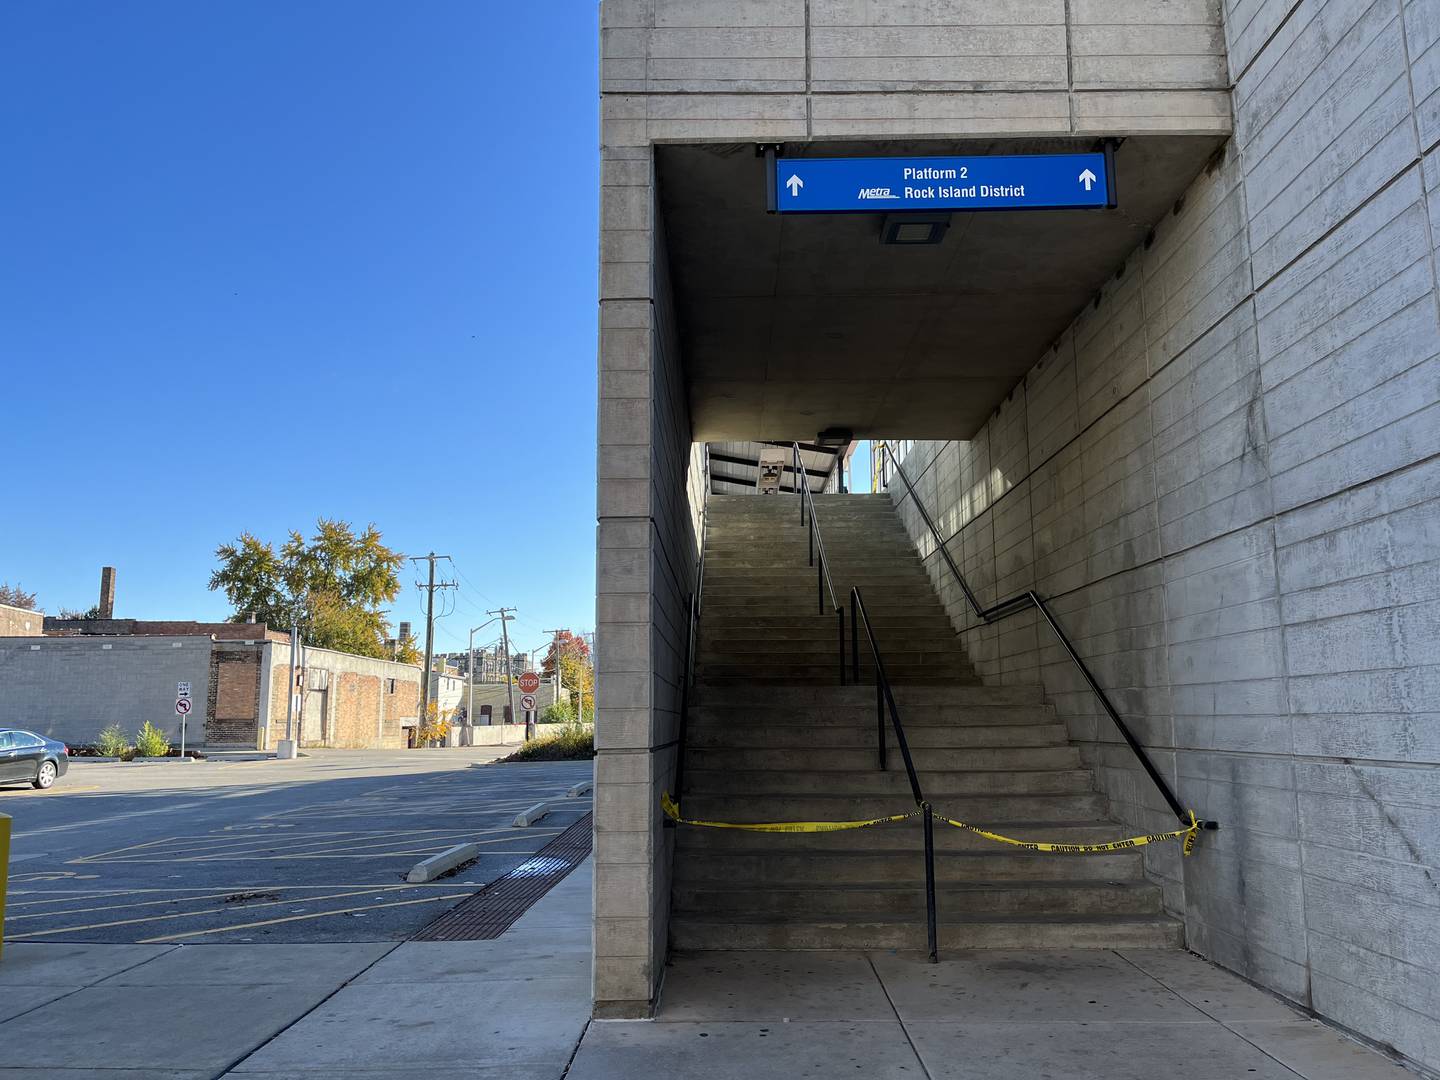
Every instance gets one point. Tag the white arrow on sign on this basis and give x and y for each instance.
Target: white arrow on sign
(794, 184)
(1088, 178)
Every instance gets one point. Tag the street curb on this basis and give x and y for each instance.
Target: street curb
(431, 868)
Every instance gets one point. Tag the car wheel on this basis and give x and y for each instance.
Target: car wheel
(46, 776)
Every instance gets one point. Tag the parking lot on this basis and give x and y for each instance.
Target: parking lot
(267, 851)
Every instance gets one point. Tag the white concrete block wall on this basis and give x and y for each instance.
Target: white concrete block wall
(1227, 478)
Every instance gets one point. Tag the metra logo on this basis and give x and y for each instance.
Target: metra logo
(877, 193)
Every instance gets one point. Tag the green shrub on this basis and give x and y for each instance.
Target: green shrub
(150, 741)
(573, 742)
(558, 713)
(113, 742)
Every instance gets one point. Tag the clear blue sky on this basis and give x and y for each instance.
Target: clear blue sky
(265, 261)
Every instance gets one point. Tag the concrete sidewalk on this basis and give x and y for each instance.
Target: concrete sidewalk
(1096, 1015)
(512, 1007)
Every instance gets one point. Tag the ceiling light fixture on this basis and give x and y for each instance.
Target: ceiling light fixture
(907, 229)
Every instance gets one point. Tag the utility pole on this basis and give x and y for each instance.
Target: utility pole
(429, 588)
(555, 655)
(505, 614)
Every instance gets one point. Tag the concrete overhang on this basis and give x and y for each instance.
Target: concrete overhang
(790, 324)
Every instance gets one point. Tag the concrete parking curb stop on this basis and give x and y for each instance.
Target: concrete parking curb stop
(431, 868)
(582, 788)
(531, 815)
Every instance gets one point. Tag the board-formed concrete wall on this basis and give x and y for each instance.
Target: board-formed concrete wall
(748, 71)
(1226, 477)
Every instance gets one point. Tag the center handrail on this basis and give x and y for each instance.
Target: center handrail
(817, 543)
(885, 700)
(1030, 598)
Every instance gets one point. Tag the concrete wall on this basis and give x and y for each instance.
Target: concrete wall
(746, 70)
(21, 622)
(1226, 475)
(650, 492)
(367, 706)
(72, 688)
(749, 71)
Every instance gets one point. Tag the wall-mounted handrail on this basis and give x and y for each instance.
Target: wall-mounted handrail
(885, 700)
(1028, 599)
(823, 584)
(687, 673)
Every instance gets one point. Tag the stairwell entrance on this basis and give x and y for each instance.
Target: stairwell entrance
(772, 736)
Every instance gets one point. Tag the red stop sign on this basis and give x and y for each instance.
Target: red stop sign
(529, 682)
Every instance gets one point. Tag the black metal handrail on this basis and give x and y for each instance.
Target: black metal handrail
(885, 700)
(816, 542)
(687, 674)
(1028, 599)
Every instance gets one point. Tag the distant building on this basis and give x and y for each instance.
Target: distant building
(20, 622)
(87, 674)
(447, 691)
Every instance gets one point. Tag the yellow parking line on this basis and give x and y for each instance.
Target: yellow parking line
(192, 914)
(300, 918)
(126, 907)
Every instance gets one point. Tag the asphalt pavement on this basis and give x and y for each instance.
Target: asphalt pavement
(312, 850)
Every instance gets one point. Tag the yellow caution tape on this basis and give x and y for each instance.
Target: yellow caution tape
(1189, 833)
(672, 811)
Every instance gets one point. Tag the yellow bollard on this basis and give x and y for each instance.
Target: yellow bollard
(4, 874)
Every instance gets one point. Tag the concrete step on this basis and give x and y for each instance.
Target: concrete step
(927, 759)
(823, 639)
(806, 620)
(959, 696)
(989, 809)
(819, 866)
(719, 577)
(760, 784)
(1074, 897)
(778, 664)
(809, 719)
(808, 588)
(858, 738)
(721, 932)
(816, 604)
(828, 674)
(910, 648)
(850, 562)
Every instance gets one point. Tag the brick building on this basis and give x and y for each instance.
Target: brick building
(85, 675)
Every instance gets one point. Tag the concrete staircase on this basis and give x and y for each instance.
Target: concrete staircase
(772, 736)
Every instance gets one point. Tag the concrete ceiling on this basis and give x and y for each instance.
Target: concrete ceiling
(797, 323)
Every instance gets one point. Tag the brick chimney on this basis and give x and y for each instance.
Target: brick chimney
(107, 592)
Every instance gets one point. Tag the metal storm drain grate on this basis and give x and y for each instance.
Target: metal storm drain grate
(494, 909)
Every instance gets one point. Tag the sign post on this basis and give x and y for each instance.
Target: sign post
(182, 709)
(529, 683)
(886, 185)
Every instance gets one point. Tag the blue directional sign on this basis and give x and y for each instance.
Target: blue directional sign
(888, 184)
